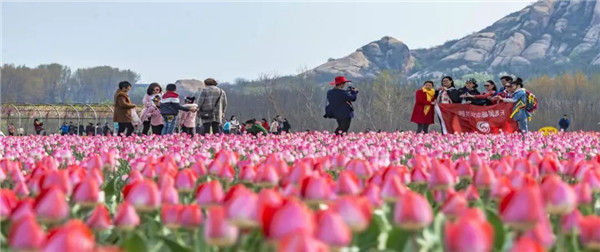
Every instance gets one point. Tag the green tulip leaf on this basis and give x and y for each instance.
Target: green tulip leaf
(135, 243)
(174, 246)
(499, 230)
(398, 239)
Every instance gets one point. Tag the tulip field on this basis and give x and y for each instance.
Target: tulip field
(301, 192)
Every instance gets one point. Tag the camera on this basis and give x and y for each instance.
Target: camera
(351, 88)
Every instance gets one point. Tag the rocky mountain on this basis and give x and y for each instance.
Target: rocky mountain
(547, 37)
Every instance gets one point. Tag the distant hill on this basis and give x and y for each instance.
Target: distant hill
(547, 37)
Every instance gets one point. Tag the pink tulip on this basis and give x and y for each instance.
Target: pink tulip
(217, 231)
(86, 193)
(440, 177)
(8, 201)
(99, 219)
(558, 197)
(51, 205)
(242, 209)
(26, 234)
(23, 208)
(468, 234)
(71, 237)
(347, 184)
(355, 211)
(126, 218)
(527, 244)
(300, 241)
(143, 195)
(373, 193)
(185, 181)
(332, 229)
(484, 177)
(455, 205)
(412, 212)
(170, 215)
(570, 222)
(589, 231)
(522, 209)
(315, 189)
(360, 168)
(190, 216)
(209, 194)
(392, 189)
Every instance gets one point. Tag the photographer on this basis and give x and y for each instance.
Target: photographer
(339, 104)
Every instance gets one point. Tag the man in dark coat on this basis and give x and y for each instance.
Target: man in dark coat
(339, 104)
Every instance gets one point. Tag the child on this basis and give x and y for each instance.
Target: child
(254, 128)
(169, 108)
(156, 119)
(64, 130)
(187, 119)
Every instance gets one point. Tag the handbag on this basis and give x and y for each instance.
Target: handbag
(207, 114)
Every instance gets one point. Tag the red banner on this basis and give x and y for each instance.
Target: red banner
(458, 118)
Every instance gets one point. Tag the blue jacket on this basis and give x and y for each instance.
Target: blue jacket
(339, 103)
(519, 111)
(564, 123)
(64, 128)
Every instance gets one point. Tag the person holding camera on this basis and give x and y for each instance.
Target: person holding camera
(339, 104)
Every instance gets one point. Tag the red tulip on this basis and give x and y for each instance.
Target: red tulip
(558, 197)
(463, 169)
(347, 184)
(455, 205)
(26, 234)
(419, 176)
(267, 176)
(527, 244)
(475, 160)
(268, 201)
(590, 231)
(126, 218)
(300, 241)
(73, 236)
(86, 193)
(526, 167)
(332, 229)
(440, 177)
(392, 189)
(398, 170)
(185, 181)
(522, 208)
(584, 193)
(99, 219)
(373, 194)
(21, 189)
(355, 211)
(468, 234)
(169, 195)
(412, 211)
(316, 189)
(592, 178)
(299, 171)
(58, 178)
(24, 208)
(550, 165)
(242, 209)
(51, 206)
(217, 231)
(570, 222)
(361, 168)
(542, 233)
(8, 201)
(170, 215)
(484, 177)
(289, 217)
(143, 195)
(501, 188)
(247, 174)
(209, 193)
(190, 216)
(471, 193)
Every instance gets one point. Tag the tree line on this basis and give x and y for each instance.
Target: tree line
(56, 83)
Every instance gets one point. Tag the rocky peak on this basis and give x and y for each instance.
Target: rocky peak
(549, 36)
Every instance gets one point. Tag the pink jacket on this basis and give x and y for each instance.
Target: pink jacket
(188, 118)
(147, 104)
(155, 117)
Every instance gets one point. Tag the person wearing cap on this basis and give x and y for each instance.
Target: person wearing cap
(470, 88)
(339, 104)
(564, 123)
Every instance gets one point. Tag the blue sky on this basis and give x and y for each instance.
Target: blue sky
(164, 42)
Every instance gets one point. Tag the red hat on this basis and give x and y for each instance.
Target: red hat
(339, 80)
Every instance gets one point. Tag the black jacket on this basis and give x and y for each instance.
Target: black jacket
(171, 106)
(473, 101)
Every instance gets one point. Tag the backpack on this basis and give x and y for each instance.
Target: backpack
(531, 102)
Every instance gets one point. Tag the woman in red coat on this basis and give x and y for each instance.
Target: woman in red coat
(423, 111)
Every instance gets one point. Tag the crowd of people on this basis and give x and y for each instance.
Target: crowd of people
(163, 114)
(512, 91)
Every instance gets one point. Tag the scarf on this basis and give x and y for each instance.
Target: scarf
(430, 94)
